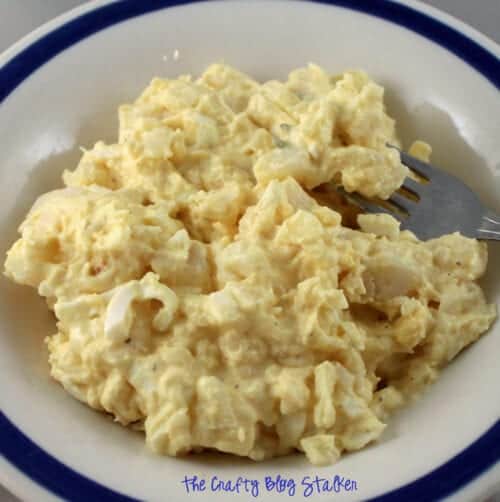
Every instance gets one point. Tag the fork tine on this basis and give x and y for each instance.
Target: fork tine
(421, 168)
(367, 205)
(401, 201)
(412, 185)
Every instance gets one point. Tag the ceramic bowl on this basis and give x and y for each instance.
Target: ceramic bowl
(59, 89)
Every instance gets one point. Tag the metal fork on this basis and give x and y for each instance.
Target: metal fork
(438, 204)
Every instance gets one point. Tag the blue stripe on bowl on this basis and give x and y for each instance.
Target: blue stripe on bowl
(49, 472)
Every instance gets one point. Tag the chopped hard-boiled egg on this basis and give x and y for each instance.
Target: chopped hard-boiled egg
(206, 293)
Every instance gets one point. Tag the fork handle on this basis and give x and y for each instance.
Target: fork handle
(490, 226)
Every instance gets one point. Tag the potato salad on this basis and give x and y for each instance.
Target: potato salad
(212, 289)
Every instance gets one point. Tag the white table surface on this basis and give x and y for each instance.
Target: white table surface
(19, 17)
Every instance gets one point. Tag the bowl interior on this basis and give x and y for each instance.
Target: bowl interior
(72, 101)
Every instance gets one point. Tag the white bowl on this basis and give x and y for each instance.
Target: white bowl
(59, 89)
